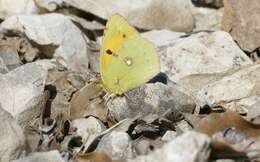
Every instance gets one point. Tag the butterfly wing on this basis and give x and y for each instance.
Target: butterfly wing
(137, 62)
(116, 31)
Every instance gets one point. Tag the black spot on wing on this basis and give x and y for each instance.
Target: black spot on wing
(109, 52)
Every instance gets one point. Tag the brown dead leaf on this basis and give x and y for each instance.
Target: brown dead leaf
(216, 122)
(95, 157)
(87, 102)
(241, 130)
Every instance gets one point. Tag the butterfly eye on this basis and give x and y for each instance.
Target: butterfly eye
(124, 35)
(108, 51)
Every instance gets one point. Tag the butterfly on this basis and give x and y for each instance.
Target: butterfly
(127, 60)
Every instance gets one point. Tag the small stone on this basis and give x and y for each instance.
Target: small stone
(207, 18)
(253, 110)
(88, 128)
(10, 57)
(150, 99)
(87, 25)
(183, 126)
(94, 55)
(144, 146)
(162, 38)
(242, 19)
(51, 156)
(201, 53)
(236, 89)
(225, 160)
(31, 54)
(63, 40)
(116, 144)
(169, 135)
(12, 141)
(13, 7)
(22, 91)
(3, 67)
(76, 80)
(188, 147)
(177, 14)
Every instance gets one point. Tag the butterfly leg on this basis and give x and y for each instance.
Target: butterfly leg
(108, 97)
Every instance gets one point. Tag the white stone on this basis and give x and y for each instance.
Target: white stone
(189, 147)
(51, 156)
(14, 7)
(240, 88)
(3, 67)
(22, 90)
(88, 128)
(116, 144)
(150, 99)
(169, 135)
(146, 14)
(53, 30)
(207, 18)
(162, 38)
(12, 140)
(201, 53)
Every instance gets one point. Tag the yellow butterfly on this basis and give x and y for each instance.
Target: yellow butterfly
(127, 60)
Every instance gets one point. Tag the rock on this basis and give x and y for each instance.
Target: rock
(201, 53)
(162, 38)
(254, 145)
(19, 44)
(190, 146)
(183, 126)
(152, 14)
(10, 57)
(3, 67)
(49, 64)
(237, 89)
(150, 99)
(242, 19)
(94, 55)
(144, 146)
(88, 128)
(22, 91)
(194, 83)
(51, 156)
(169, 135)
(225, 160)
(76, 80)
(116, 144)
(63, 40)
(207, 18)
(13, 7)
(253, 110)
(50, 5)
(13, 143)
(87, 25)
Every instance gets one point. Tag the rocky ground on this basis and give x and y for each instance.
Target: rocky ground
(204, 106)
